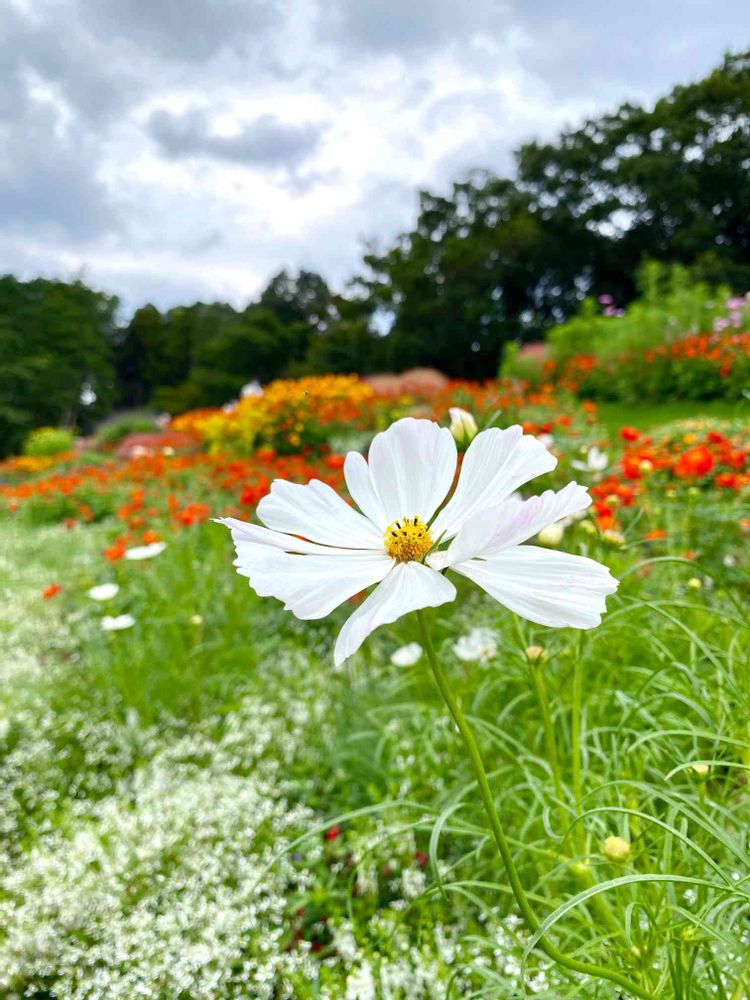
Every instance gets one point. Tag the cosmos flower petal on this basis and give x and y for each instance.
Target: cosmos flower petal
(359, 484)
(318, 513)
(547, 587)
(412, 466)
(310, 586)
(408, 587)
(496, 463)
(514, 521)
(244, 533)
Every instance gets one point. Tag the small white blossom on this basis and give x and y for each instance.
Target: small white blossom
(596, 461)
(145, 551)
(103, 592)
(479, 646)
(407, 656)
(116, 623)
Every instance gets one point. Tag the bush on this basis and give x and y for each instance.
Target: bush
(671, 305)
(130, 423)
(47, 441)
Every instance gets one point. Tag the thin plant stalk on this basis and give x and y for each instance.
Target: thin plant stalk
(470, 744)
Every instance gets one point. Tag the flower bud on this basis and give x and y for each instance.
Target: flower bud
(463, 425)
(536, 654)
(616, 849)
(700, 769)
(694, 583)
(551, 535)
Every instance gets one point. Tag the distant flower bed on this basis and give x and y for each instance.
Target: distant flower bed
(699, 366)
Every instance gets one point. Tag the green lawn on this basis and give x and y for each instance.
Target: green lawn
(647, 416)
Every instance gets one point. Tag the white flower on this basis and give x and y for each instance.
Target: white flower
(463, 425)
(117, 623)
(103, 592)
(316, 551)
(145, 551)
(407, 656)
(552, 535)
(596, 461)
(479, 646)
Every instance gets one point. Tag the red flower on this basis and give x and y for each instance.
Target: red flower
(630, 433)
(694, 462)
(333, 834)
(51, 590)
(727, 480)
(116, 550)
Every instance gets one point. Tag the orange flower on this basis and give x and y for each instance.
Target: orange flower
(149, 537)
(116, 550)
(51, 590)
(657, 533)
(630, 433)
(727, 480)
(695, 462)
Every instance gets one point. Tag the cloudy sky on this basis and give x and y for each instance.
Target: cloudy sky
(169, 150)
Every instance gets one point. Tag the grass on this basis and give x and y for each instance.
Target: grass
(647, 416)
(202, 806)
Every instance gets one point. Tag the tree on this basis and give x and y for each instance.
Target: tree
(499, 259)
(56, 362)
(305, 298)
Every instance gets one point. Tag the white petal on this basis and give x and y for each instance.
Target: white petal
(359, 484)
(513, 522)
(496, 463)
(545, 586)
(408, 587)
(245, 533)
(317, 512)
(412, 466)
(310, 586)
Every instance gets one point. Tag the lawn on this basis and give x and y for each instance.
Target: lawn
(201, 805)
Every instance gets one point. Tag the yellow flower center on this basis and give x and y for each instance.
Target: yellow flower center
(407, 539)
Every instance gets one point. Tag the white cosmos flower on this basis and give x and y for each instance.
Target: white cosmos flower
(596, 461)
(145, 551)
(479, 646)
(117, 623)
(407, 656)
(316, 551)
(103, 592)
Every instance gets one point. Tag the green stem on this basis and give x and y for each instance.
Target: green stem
(550, 743)
(575, 731)
(470, 744)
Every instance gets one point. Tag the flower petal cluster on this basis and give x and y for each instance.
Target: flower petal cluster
(315, 551)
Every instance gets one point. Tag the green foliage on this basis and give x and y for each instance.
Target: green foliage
(671, 304)
(499, 260)
(55, 356)
(47, 441)
(130, 423)
(180, 776)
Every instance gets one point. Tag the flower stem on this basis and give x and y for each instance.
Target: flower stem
(550, 744)
(470, 744)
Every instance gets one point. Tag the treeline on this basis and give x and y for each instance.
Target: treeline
(493, 261)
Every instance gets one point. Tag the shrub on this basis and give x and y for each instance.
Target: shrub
(48, 441)
(671, 305)
(131, 423)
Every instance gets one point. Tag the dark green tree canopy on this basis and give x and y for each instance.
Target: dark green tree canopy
(55, 356)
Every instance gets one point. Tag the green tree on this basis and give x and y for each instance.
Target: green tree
(56, 362)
